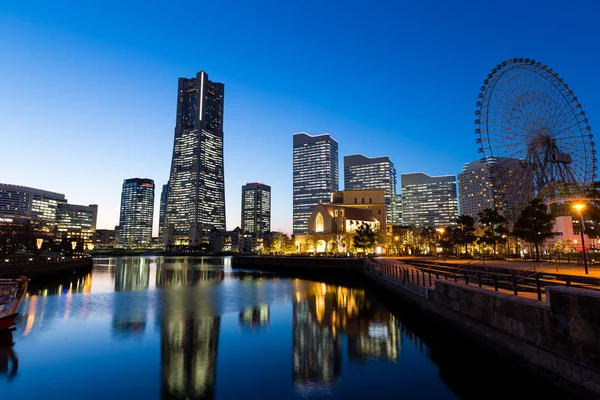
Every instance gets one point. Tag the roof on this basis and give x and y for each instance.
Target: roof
(353, 213)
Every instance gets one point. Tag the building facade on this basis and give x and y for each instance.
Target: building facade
(362, 172)
(30, 203)
(162, 209)
(476, 191)
(76, 222)
(256, 208)
(196, 192)
(137, 211)
(429, 201)
(316, 175)
(372, 200)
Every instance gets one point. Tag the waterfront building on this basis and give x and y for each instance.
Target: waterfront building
(256, 208)
(162, 210)
(22, 202)
(429, 201)
(372, 200)
(76, 223)
(137, 211)
(105, 238)
(315, 174)
(196, 191)
(476, 191)
(362, 172)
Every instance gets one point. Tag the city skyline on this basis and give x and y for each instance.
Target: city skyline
(424, 88)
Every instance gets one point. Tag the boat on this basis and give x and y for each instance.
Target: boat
(12, 293)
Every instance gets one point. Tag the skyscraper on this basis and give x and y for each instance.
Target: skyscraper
(29, 203)
(196, 194)
(162, 209)
(315, 175)
(137, 209)
(362, 172)
(256, 208)
(429, 201)
(76, 222)
(476, 191)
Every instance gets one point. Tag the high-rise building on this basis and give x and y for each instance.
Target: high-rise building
(397, 220)
(316, 175)
(196, 193)
(76, 222)
(429, 201)
(162, 210)
(29, 203)
(256, 208)
(362, 172)
(137, 210)
(476, 191)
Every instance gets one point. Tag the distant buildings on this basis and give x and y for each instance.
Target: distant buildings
(315, 173)
(23, 202)
(76, 222)
(476, 191)
(137, 210)
(256, 208)
(361, 172)
(162, 210)
(196, 193)
(429, 201)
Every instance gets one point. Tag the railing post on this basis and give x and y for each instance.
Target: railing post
(417, 277)
(479, 279)
(537, 284)
(568, 281)
(495, 283)
(430, 279)
(514, 278)
(466, 278)
(455, 277)
(412, 273)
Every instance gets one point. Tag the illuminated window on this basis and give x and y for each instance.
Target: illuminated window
(319, 223)
(335, 213)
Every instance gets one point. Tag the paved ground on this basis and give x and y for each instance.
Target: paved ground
(561, 268)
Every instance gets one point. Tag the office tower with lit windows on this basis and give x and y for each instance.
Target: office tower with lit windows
(429, 201)
(23, 202)
(162, 209)
(137, 210)
(76, 223)
(196, 193)
(476, 191)
(316, 175)
(362, 173)
(256, 208)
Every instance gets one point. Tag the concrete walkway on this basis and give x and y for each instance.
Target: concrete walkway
(540, 266)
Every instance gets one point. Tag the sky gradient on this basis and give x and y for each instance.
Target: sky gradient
(88, 89)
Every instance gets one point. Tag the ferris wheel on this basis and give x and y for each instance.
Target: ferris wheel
(533, 133)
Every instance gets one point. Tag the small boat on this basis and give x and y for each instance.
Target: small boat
(12, 293)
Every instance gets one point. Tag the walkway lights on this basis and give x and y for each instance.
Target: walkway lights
(579, 207)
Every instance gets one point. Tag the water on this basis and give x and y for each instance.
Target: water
(150, 328)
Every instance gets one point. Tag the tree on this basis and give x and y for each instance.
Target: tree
(364, 237)
(535, 224)
(494, 226)
(428, 236)
(446, 239)
(464, 233)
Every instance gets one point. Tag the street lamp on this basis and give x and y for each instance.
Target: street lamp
(579, 207)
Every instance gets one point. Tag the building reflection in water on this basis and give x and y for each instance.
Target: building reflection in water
(255, 318)
(189, 332)
(129, 317)
(321, 314)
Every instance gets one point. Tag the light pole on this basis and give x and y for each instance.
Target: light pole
(579, 207)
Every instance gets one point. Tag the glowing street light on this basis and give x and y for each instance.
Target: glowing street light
(580, 207)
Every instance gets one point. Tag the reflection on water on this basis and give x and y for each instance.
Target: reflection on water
(216, 332)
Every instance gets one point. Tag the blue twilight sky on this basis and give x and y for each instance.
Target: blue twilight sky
(88, 88)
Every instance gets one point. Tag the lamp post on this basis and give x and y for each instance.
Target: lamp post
(579, 207)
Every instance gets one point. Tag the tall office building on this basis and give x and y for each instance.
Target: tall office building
(29, 203)
(137, 210)
(362, 172)
(316, 175)
(162, 209)
(256, 208)
(476, 191)
(196, 194)
(429, 201)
